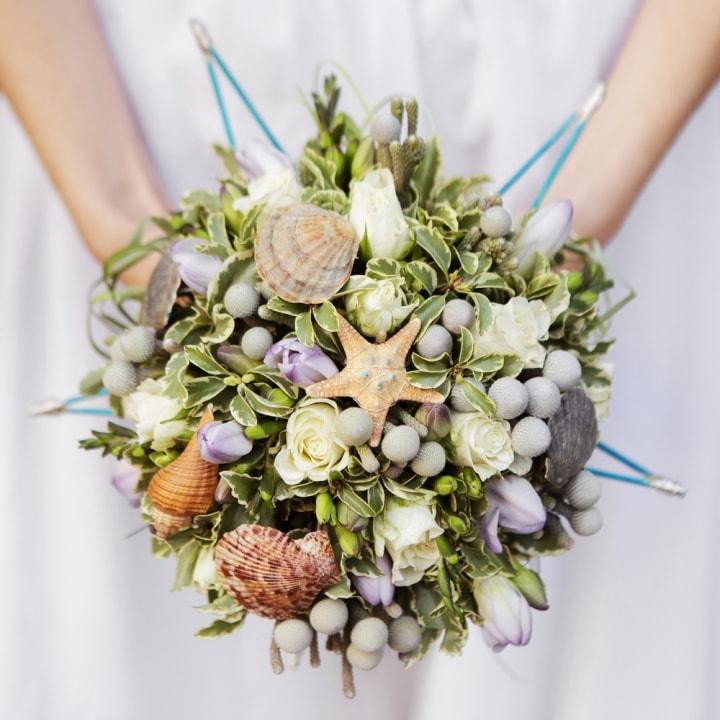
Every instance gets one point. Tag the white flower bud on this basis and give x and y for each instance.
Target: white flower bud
(255, 342)
(563, 368)
(510, 397)
(293, 636)
(362, 660)
(120, 378)
(405, 634)
(436, 341)
(369, 635)
(329, 616)
(138, 343)
(401, 444)
(583, 491)
(496, 221)
(531, 437)
(430, 459)
(586, 522)
(241, 300)
(543, 397)
(546, 232)
(458, 314)
(354, 426)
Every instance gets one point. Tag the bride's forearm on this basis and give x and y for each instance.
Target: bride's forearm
(59, 77)
(671, 58)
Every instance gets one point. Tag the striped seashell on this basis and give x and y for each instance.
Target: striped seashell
(184, 488)
(271, 575)
(574, 433)
(161, 293)
(304, 253)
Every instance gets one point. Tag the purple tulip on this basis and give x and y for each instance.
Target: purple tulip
(223, 442)
(299, 363)
(257, 158)
(376, 589)
(512, 504)
(196, 269)
(125, 479)
(506, 615)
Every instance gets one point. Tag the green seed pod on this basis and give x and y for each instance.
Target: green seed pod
(446, 549)
(349, 541)
(456, 524)
(446, 484)
(279, 397)
(325, 509)
(264, 430)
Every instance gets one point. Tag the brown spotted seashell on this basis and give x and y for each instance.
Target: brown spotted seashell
(271, 575)
(574, 433)
(161, 294)
(184, 488)
(304, 253)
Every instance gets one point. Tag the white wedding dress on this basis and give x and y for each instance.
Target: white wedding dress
(88, 629)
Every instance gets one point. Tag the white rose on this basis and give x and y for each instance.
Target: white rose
(516, 329)
(275, 189)
(407, 530)
(376, 307)
(375, 210)
(153, 411)
(481, 442)
(313, 449)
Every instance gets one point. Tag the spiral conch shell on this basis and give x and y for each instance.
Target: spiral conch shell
(271, 575)
(305, 253)
(184, 488)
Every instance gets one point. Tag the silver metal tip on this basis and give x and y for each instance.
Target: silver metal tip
(50, 406)
(667, 486)
(202, 36)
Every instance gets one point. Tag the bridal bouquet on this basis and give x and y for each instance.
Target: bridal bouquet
(358, 396)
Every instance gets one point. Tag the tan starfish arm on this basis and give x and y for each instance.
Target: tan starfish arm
(335, 386)
(401, 342)
(421, 395)
(352, 341)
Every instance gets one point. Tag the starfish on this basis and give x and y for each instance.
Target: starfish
(374, 374)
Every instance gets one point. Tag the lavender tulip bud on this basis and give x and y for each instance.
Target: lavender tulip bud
(299, 363)
(506, 615)
(257, 158)
(376, 589)
(436, 417)
(512, 504)
(125, 479)
(546, 232)
(195, 268)
(223, 442)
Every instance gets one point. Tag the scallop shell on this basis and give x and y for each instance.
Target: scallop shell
(161, 294)
(271, 575)
(184, 488)
(304, 253)
(574, 435)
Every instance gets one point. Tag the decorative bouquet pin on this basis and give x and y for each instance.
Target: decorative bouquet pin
(361, 395)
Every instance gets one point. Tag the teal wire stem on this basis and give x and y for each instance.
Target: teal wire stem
(538, 153)
(221, 104)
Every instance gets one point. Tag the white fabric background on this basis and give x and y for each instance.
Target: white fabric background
(88, 629)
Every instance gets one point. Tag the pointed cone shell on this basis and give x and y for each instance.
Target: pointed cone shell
(304, 253)
(574, 435)
(184, 488)
(271, 575)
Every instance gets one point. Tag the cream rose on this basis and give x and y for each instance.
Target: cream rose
(376, 307)
(313, 449)
(153, 411)
(407, 530)
(481, 442)
(275, 189)
(517, 328)
(375, 210)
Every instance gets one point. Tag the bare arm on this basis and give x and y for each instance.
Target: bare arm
(670, 60)
(57, 73)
